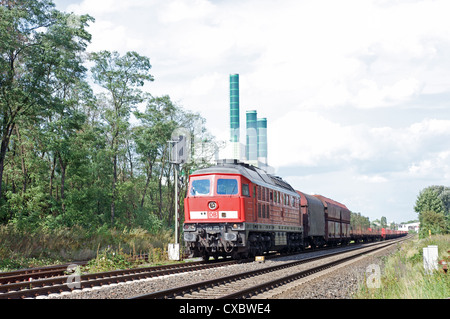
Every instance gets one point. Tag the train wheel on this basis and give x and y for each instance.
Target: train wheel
(235, 255)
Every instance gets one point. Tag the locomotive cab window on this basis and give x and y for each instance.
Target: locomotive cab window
(227, 186)
(245, 190)
(200, 187)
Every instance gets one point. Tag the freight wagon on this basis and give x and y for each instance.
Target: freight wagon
(235, 209)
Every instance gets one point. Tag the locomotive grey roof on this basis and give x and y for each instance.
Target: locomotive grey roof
(255, 174)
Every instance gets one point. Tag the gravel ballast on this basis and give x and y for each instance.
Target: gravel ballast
(336, 284)
(340, 283)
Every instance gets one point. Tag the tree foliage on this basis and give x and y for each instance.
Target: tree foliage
(359, 222)
(122, 77)
(70, 156)
(433, 207)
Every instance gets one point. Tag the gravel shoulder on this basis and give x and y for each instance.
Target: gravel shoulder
(334, 284)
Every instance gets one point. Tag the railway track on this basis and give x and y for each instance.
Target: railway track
(250, 283)
(35, 273)
(16, 288)
(32, 283)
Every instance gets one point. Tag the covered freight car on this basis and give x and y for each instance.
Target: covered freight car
(337, 221)
(313, 213)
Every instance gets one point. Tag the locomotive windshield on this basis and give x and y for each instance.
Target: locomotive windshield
(200, 187)
(227, 187)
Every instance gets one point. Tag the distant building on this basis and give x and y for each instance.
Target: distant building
(407, 227)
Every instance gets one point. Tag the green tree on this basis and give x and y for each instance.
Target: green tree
(383, 222)
(359, 222)
(151, 139)
(433, 209)
(62, 128)
(39, 46)
(433, 222)
(428, 200)
(69, 157)
(122, 77)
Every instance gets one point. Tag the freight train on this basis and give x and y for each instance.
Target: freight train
(238, 210)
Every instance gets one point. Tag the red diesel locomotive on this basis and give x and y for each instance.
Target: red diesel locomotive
(235, 209)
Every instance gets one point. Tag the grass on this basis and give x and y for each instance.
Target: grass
(108, 260)
(403, 275)
(106, 248)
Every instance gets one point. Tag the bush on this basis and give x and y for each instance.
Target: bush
(21, 248)
(109, 260)
(403, 275)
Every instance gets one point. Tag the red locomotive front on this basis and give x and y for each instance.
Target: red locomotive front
(215, 209)
(215, 198)
(235, 209)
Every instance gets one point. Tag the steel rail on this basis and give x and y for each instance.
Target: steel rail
(249, 292)
(186, 289)
(19, 284)
(45, 286)
(34, 273)
(46, 271)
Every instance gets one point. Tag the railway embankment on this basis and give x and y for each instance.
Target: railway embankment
(403, 275)
(396, 272)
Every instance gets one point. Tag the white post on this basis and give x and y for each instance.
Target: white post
(430, 259)
(176, 203)
(174, 249)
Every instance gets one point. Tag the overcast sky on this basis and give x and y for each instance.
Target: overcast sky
(356, 93)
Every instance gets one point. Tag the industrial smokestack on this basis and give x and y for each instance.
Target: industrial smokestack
(262, 140)
(234, 108)
(252, 137)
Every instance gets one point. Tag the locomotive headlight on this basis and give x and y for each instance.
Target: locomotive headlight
(212, 205)
(189, 227)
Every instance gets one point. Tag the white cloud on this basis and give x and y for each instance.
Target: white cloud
(202, 85)
(105, 7)
(317, 53)
(180, 10)
(437, 167)
(371, 95)
(372, 179)
(309, 67)
(112, 37)
(308, 139)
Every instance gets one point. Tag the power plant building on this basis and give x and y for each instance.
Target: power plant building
(255, 150)
(262, 140)
(252, 138)
(236, 147)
